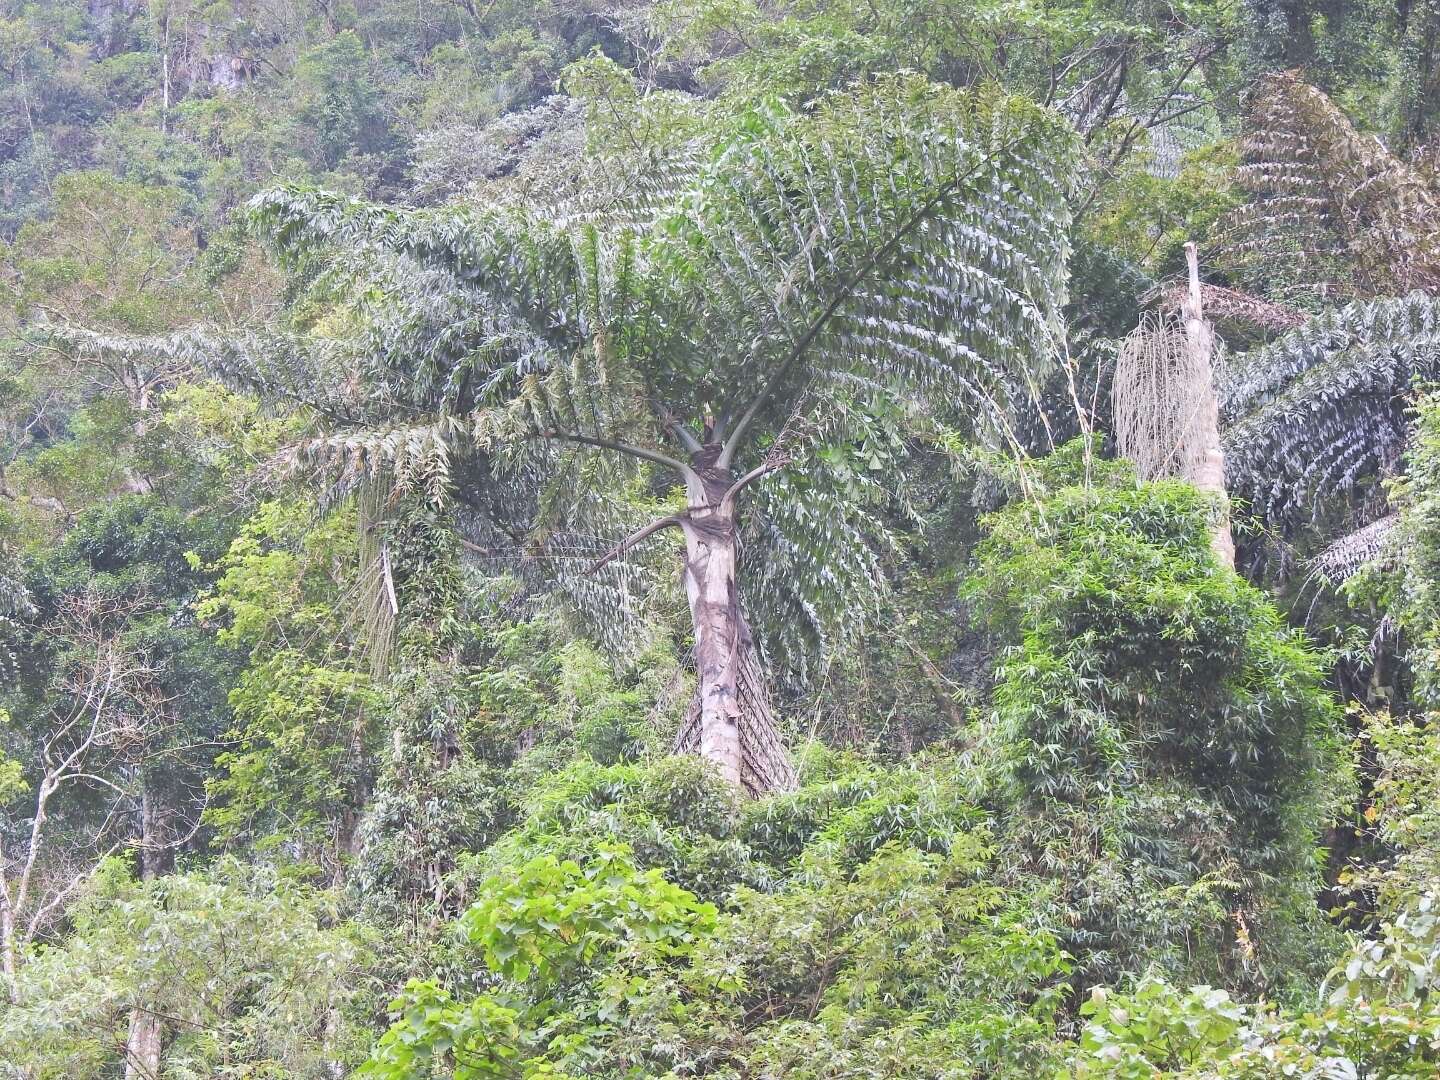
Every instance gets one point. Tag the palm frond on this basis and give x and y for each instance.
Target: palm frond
(1324, 406)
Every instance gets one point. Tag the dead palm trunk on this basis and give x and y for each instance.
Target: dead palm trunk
(1208, 471)
(1167, 413)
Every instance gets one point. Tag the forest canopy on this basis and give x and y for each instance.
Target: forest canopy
(705, 538)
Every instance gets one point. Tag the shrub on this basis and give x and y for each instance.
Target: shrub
(1156, 728)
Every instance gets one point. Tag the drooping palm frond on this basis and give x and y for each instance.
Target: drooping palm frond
(1329, 208)
(1343, 558)
(282, 368)
(1323, 407)
(765, 763)
(814, 552)
(1230, 307)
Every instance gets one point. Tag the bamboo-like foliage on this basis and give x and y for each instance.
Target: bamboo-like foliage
(1329, 206)
(1321, 408)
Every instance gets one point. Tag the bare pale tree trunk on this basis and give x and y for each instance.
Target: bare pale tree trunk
(142, 1046)
(146, 1037)
(7, 942)
(1209, 463)
(333, 1067)
(730, 722)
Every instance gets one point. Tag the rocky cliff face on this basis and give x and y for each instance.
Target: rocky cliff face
(112, 19)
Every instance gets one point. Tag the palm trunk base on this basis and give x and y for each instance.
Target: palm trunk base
(765, 765)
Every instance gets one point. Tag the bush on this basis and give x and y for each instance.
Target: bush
(1156, 728)
(1379, 1017)
(856, 922)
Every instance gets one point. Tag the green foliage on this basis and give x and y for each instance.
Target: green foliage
(305, 716)
(1378, 1018)
(675, 815)
(877, 913)
(112, 255)
(1403, 812)
(1153, 715)
(248, 973)
(337, 102)
(1147, 218)
(1402, 577)
(913, 964)
(90, 465)
(582, 955)
(553, 918)
(476, 732)
(1125, 621)
(1157, 1027)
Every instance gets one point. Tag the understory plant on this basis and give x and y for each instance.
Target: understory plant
(1162, 747)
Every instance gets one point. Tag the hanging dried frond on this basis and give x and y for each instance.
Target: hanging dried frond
(765, 763)
(1230, 307)
(379, 604)
(1159, 395)
(1167, 415)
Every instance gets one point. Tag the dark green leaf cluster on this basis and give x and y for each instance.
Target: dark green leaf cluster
(1150, 700)
(1320, 410)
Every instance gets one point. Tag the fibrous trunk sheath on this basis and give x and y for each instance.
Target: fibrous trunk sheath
(1167, 414)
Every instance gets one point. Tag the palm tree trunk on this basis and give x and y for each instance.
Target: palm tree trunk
(710, 564)
(1209, 472)
(730, 722)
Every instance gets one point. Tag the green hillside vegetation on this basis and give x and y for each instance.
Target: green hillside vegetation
(829, 539)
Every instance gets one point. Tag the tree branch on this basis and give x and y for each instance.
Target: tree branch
(624, 448)
(683, 435)
(1138, 125)
(727, 501)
